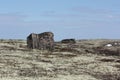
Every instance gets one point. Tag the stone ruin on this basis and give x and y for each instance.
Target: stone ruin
(43, 41)
(68, 41)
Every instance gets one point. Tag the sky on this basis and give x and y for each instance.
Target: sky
(79, 19)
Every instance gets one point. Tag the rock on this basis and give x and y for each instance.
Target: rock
(43, 41)
(108, 45)
(68, 41)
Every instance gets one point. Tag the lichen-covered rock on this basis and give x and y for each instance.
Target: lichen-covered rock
(68, 41)
(43, 41)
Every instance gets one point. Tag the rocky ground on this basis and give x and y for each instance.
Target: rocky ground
(80, 61)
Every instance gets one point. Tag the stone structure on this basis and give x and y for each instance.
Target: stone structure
(68, 41)
(43, 41)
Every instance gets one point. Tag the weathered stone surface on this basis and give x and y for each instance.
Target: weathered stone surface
(68, 41)
(43, 41)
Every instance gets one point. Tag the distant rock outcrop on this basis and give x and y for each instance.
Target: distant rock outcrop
(68, 41)
(43, 41)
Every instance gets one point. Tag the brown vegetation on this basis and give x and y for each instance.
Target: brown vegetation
(80, 61)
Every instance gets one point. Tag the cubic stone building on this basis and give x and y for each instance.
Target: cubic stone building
(43, 41)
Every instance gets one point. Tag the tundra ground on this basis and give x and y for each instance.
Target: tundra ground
(79, 62)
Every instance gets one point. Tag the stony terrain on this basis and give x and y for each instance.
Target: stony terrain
(80, 61)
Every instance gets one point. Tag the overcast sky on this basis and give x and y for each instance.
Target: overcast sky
(79, 19)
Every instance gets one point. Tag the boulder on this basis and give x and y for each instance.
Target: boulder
(42, 41)
(68, 41)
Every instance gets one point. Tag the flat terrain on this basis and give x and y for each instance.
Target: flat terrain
(80, 61)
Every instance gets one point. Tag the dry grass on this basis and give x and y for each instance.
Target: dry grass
(78, 62)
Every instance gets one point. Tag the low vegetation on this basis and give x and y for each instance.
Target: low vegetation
(83, 60)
